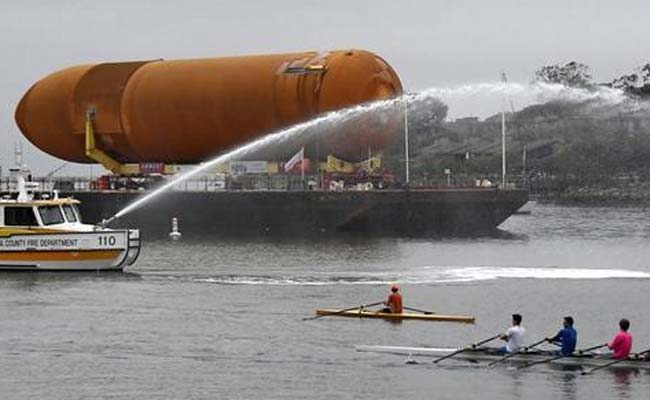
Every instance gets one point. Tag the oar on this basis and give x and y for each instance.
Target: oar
(588, 349)
(524, 350)
(614, 362)
(417, 310)
(581, 351)
(470, 347)
(343, 311)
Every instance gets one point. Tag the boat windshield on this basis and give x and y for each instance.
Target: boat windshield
(77, 212)
(20, 216)
(69, 213)
(51, 215)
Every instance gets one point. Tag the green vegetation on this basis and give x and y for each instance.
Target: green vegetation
(587, 151)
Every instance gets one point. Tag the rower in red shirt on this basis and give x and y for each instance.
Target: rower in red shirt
(394, 302)
(622, 342)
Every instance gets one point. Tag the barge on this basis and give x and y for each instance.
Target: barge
(419, 213)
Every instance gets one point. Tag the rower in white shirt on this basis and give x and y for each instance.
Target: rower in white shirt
(514, 336)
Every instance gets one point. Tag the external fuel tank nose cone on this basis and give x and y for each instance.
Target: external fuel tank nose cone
(359, 76)
(46, 114)
(19, 115)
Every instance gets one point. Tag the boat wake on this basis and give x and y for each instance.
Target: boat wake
(425, 275)
(468, 274)
(297, 280)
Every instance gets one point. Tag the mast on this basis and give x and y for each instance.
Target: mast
(406, 140)
(504, 78)
(18, 155)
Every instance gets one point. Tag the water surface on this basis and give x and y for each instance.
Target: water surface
(208, 318)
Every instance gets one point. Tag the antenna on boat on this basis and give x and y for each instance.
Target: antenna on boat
(22, 190)
(24, 186)
(18, 154)
(504, 78)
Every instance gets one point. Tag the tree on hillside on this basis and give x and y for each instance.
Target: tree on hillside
(572, 74)
(636, 83)
(426, 115)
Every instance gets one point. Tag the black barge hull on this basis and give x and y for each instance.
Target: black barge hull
(428, 212)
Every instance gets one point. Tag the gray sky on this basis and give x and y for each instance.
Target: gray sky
(429, 43)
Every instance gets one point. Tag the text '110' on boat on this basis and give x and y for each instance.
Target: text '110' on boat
(46, 233)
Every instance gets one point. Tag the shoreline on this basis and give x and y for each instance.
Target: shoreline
(597, 197)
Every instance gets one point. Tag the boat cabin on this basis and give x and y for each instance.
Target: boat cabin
(50, 214)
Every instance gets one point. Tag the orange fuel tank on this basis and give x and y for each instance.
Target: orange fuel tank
(185, 111)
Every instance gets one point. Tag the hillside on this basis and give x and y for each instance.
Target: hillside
(559, 150)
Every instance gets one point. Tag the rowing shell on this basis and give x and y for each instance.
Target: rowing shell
(490, 354)
(398, 317)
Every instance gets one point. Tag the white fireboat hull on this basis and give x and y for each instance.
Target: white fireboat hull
(99, 250)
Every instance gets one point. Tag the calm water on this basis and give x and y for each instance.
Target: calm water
(223, 319)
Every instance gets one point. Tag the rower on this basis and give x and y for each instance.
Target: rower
(622, 342)
(394, 302)
(567, 337)
(514, 336)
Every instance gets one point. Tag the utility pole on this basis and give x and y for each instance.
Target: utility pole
(318, 169)
(406, 140)
(302, 169)
(523, 163)
(504, 78)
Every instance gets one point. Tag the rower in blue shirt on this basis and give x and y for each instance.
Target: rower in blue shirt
(567, 337)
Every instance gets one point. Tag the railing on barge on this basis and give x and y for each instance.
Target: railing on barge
(214, 184)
